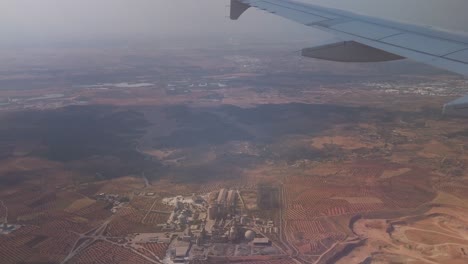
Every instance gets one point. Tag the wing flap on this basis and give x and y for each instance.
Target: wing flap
(366, 30)
(430, 45)
(461, 56)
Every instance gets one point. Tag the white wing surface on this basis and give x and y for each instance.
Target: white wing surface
(446, 50)
(442, 49)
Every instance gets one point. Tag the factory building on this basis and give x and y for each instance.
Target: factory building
(233, 232)
(222, 196)
(261, 241)
(181, 252)
(249, 235)
(224, 204)
(213, 212)
(231, 201)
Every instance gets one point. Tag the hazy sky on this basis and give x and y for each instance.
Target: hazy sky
(55, 20)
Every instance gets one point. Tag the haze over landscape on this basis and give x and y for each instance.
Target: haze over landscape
(156, 131)
(51, 21)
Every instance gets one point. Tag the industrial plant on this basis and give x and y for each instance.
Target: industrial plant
(213, 227)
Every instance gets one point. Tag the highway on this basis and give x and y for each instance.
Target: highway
(96, 234)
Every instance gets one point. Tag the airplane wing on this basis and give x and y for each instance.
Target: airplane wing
(369, 39)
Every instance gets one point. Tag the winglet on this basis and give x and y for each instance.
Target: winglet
(237, 9)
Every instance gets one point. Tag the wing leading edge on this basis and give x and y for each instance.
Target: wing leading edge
(441, 49)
